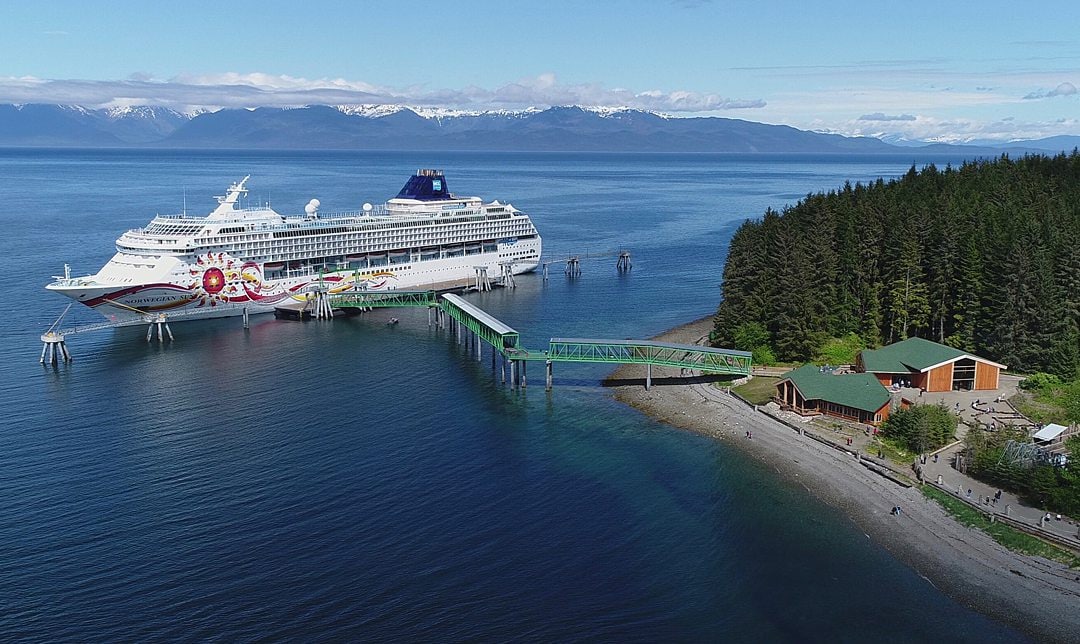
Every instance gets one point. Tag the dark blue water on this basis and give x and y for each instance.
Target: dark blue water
(349, 480)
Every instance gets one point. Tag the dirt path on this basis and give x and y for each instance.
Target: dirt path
(1034, 595)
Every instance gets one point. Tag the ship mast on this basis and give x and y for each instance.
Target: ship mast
(227, 202)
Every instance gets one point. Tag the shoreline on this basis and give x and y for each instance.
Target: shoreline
(1036, 596)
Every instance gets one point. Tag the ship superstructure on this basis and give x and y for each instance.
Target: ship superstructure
(255, 258)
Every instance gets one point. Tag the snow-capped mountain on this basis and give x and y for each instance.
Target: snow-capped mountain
(77, 126)
(402, 127)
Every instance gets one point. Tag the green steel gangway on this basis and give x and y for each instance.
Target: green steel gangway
(473, 324)
(649, 353)
(383, 299)
(484, 325)
(664, 354)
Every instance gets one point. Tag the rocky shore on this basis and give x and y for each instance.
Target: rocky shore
(1035, 595)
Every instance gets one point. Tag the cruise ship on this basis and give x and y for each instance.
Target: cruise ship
(254, 258)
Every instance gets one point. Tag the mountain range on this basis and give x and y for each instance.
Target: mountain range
(390, 127)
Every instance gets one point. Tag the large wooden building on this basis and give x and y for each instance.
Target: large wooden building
(920, 363)
(857, 397)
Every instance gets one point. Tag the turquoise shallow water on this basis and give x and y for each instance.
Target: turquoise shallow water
(353, 480)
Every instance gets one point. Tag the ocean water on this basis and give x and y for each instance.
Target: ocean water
(350, 480)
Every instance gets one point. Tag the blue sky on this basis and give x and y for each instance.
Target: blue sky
(950, 71)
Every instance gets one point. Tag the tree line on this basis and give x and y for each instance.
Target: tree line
(984, 258)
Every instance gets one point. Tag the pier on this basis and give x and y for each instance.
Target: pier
(470, 326)
(473, 327)
(572, 263)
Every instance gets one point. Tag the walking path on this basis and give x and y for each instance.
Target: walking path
(1008, 505)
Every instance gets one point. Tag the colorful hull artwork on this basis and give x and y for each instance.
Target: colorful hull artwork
(217, 283)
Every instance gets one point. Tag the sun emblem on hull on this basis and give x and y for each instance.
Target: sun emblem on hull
(217, 279)
(213, 280)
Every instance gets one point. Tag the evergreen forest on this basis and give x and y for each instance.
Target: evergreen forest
(984, 258)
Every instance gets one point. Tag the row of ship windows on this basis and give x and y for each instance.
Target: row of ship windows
(375, 241)
(362, 269)
(377, 260)
(518, 253)
(451, 224)
(459, 223)
(173, 230)
(287, 238)
(352, 233)
(301, 246)
(306, 228)
(217, 244)
(472, 216)
(380, 259)
(520, 226)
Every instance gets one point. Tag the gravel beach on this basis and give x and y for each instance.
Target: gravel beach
(1034, 595)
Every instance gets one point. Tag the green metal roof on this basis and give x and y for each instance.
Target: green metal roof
(856, 390)
(906, 356)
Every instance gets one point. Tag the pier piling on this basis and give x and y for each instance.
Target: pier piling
(507, 274)
(162, 325)
(482, 282)
(573, 267)
(54, 348)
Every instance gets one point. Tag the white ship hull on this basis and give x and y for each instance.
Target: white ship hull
(240, 285)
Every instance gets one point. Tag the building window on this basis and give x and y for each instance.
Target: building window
(963, 375)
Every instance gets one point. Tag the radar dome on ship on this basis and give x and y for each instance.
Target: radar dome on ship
(367, 207)
(312, 207)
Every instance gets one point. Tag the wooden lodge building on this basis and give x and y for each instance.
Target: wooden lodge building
(858, 397)
(929, 366)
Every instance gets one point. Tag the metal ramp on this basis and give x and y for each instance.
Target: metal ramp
(382, 299)
(647, 352)
(480, 322)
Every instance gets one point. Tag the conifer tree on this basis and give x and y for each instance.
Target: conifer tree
(985, 257)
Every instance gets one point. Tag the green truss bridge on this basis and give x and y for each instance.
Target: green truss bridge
(476, 328)
(383, 299)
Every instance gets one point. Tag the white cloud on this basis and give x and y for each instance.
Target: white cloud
(269, 90)
(1063, 89)
(883, 101)
(878, 116)
(960, 130)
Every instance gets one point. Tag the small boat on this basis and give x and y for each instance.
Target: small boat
(392, 322)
